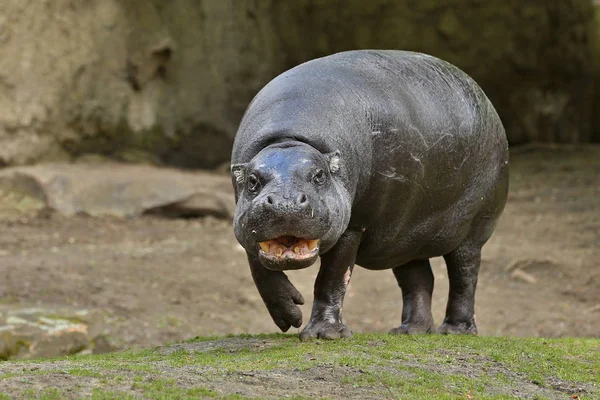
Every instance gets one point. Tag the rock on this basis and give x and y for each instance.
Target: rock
(129, 78)
(526, 269)
(203, 202)
(122, 190)
(50, 332)
(20, 197)
(530, 264)
(519, 274)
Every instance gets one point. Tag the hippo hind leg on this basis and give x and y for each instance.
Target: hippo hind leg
(463, 262)
(416, 281)
(463, 268)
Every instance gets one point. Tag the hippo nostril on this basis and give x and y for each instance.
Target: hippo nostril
(302, 201)
(270, 200)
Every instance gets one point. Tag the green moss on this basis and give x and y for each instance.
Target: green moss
(422, 366)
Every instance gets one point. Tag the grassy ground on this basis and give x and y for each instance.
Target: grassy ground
(367, 366)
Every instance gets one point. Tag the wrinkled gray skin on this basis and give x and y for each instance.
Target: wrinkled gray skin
(415, 161)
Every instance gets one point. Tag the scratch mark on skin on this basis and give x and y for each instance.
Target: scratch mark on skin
(462, 163)
(413, 128)
(391, 174)
(417, 159)
(437, 141)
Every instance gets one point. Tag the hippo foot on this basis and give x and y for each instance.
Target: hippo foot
(412, 329)
(458, 328)
(325, 330)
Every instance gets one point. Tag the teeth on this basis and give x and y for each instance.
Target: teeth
(264, 246)
(297, 250)
(279, 252)
(312, 244)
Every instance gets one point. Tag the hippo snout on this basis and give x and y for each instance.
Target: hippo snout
(285, 205)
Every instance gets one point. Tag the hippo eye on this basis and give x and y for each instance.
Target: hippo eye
(253, 184)
(319, 177)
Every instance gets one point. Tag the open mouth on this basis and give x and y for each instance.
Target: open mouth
(289, 248)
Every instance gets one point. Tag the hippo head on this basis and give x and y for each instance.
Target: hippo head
(291, 205)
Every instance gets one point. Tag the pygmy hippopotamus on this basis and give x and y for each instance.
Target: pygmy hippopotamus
(382, 159)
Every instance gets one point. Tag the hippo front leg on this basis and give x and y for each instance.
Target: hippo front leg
(330, 288)
(278, 294)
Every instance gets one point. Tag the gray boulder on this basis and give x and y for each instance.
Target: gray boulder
(50, 332)
(110, 189)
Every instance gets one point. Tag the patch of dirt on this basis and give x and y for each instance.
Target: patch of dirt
(320, 381)
(161, 280)
(231, 344)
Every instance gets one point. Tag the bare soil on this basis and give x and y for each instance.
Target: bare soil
(161, 280)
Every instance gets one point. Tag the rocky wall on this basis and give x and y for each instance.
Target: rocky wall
(167, 81)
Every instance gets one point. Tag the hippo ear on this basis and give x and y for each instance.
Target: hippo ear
(334, 161)
(239, 172)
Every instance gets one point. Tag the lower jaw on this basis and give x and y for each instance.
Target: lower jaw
(287, 264)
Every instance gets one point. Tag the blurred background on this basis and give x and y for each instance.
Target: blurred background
(168, 81)
(116, 124)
